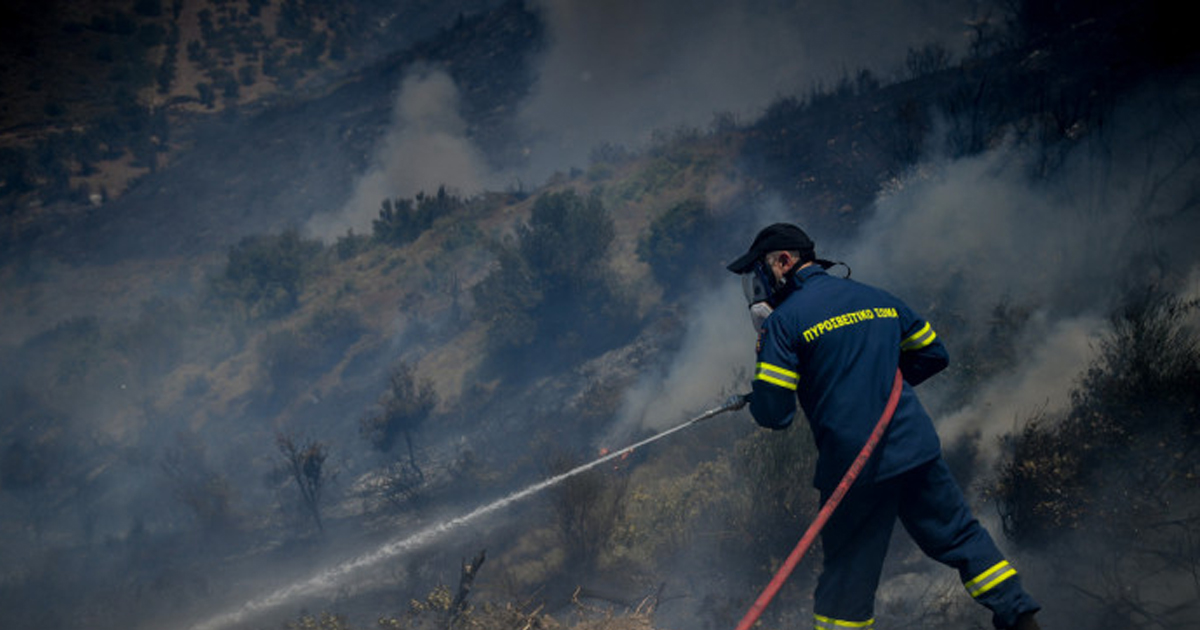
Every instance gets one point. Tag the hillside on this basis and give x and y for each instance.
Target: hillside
(189, 84)
(215, 419)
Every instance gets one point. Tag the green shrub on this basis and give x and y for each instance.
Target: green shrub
(265, 275)
(566, 236)
(507, 301)
(555, 285)
(669, 244)
(459, 234)
(401, 221)
(666, 513)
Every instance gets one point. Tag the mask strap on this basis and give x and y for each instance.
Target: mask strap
(829, 264)
(795, 282)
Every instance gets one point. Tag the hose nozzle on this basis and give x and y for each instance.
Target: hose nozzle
(733, 403)
(736, 401)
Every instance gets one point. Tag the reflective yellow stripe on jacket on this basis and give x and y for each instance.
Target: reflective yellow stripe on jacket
(989, 579)
(776, 375)
(919, 339)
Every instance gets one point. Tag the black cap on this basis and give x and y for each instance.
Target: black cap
(773, 238)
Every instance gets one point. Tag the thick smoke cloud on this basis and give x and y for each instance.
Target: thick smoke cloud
(616, 71)
(955, 238)
(426, 147)
(965, 236)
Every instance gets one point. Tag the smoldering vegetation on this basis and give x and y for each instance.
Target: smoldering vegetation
(260, 436)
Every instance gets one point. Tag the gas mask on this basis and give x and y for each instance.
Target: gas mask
(758, 285)
(764, 293)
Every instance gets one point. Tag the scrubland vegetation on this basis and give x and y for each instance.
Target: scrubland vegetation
(304, 398)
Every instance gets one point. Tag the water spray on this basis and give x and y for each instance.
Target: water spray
(331, 577)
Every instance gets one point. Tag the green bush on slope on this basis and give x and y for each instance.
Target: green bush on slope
(554, 285)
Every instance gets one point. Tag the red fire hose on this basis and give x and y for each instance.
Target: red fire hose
(818, 523)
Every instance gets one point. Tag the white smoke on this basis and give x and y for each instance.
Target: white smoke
(961, 237)
(1057, 352)
(718, 339)
(979, 230)
(957, 238)
(426, 147)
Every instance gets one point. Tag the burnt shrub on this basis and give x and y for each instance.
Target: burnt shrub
(208, 494)
(589, 506)
(777, 467)
(1124, 452)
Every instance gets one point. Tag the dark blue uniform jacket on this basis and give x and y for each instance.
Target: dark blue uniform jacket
(835, 344)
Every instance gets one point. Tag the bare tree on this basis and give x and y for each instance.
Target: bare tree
(465, 580)
(306, 465)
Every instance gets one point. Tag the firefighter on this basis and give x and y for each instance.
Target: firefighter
(835, 344)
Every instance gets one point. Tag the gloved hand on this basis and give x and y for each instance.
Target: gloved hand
(737, 401)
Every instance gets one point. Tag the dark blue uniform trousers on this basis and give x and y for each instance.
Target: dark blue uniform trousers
(929, 503)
